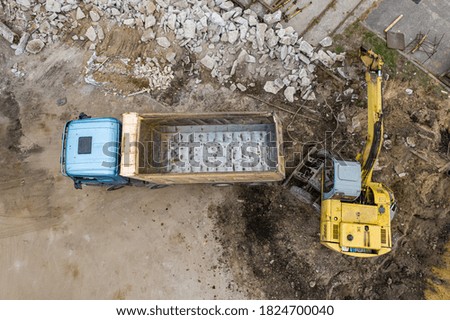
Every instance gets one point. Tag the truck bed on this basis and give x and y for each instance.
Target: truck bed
(204, 144)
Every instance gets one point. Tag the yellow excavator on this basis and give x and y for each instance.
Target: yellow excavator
(356, 212)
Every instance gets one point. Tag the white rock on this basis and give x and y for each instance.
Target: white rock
(35, 46)
(411, 142)
(271, 87)
(409, 91)
(252, 20)
(208, 62)
(115, 12)
(260, 34)
(189, 28)
(75, 37)
(306, 48)
(262, 72)
(348, 92)
(163, 42)
(227, 5)
(79, 14)
(326, 42)
(283, 52)
(305, 82)
(233, 36)
(22, 43)
(129, 22)
(250, 59)
(271, 18)
(25, 3)
(302, 73)
(228, 15)
(243, 29)
(91, 34)
(94, 16)
(325, 58)
(272, 38)
(100, 33)
(217, 19)
(279, 83)
(52, 6)
(150, 21)
(148, 35)
(170, 56)
(241, 87)
(45, 27)
(162, 3)
(289, 94)
(309, 96)
(241, 20)
(233, 87)
(303, 58)
(171, 21)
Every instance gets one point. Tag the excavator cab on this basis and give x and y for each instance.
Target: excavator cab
(345, 178)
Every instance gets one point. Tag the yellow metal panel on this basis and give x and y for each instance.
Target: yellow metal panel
(360, 236)
(358, 213)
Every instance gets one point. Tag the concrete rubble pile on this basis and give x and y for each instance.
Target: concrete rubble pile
(227, 41)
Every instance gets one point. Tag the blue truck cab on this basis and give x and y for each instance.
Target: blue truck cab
(90, 152)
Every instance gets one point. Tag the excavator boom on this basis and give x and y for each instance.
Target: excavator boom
(374, 138)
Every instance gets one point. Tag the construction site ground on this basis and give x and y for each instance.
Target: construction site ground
(204, 242)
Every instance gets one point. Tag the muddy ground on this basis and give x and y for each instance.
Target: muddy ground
(207, 243)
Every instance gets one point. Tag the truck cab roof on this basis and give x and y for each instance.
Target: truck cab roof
(92, 147)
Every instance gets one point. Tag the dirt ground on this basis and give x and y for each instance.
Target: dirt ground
(201, 242)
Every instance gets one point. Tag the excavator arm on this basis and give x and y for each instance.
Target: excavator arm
(374, 138)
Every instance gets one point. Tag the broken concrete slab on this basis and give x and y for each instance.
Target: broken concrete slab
(22, 43)
(80, 14)
(260, 34)
(271, 87)
(150, 21)
(52, 6)
(35, 46)
(241, 87)
(163, 42)
(289, 94)
(148, 35)
(272, 18)
(208, 62)
(306, 48)
(326, 42)
(326, 60)
(189, 28)
(6, 33)
(91, 34)
(94, 16)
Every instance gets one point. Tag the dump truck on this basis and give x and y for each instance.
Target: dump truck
(158, 150)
